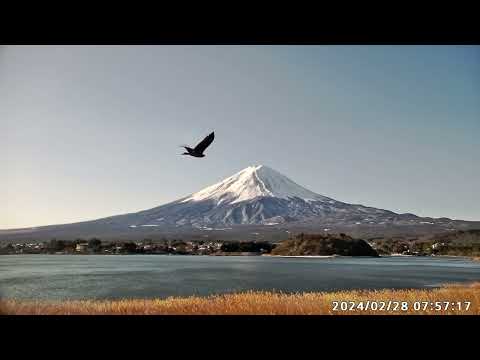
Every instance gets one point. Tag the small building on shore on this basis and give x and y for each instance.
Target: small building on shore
(81, 247)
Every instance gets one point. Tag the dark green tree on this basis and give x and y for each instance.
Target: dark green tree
(130, 247)
(55, 245)
(94, 244)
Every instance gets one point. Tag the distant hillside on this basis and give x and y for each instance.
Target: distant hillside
(460, 243)
(329, 244)
(455, 237)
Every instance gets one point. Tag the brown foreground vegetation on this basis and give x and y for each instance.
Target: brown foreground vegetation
(257, 303)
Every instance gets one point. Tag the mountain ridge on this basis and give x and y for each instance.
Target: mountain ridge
(257, 197)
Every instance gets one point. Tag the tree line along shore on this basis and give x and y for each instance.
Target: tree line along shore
(459, 243)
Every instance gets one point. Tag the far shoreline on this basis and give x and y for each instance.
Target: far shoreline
(307, 256)
(466, 257)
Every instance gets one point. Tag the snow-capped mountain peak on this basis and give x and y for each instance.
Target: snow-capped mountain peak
(254, 182)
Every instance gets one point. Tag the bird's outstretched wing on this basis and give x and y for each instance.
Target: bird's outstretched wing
(201, 146)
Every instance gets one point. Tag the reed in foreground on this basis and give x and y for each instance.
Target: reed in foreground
(264, 303)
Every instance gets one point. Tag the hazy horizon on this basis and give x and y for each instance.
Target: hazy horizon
(94, 131)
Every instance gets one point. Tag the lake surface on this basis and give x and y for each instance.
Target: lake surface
(57, 277)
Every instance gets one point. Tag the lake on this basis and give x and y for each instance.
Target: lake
(56, 277)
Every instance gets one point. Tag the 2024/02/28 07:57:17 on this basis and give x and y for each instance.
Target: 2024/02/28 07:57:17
(400, 305)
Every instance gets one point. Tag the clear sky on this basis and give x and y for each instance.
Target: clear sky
(94, 131)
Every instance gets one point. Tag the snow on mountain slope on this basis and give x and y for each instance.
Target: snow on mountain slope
(256, 195)
(253, 182)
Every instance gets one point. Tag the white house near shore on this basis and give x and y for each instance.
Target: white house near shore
(81, 247)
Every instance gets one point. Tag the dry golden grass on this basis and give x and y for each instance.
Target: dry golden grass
(255, 303)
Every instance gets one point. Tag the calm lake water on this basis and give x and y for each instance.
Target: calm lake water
(149, 276)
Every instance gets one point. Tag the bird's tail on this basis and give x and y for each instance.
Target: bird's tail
(186, 148)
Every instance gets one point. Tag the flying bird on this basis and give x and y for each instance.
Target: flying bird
(198, 150)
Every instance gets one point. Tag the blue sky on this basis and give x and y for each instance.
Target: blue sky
(93, 131)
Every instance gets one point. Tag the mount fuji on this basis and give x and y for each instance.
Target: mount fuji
(257, 202)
